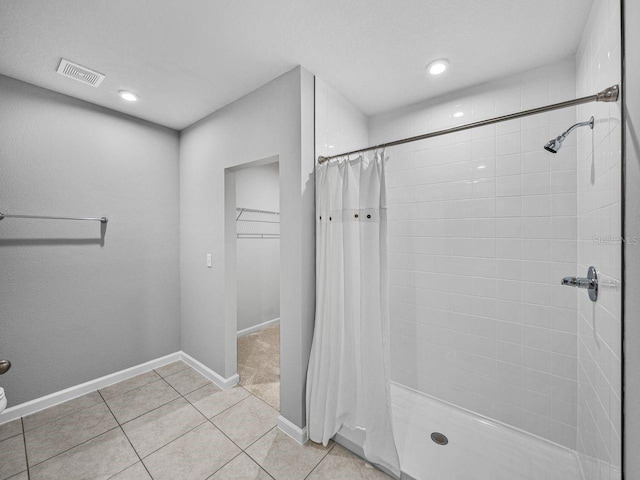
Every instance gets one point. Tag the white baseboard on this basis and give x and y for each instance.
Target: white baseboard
(70, 393)
(219, 380)
(300, 435)
(256, 328)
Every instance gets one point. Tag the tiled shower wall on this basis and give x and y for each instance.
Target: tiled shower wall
(599, 231)
(482, 227)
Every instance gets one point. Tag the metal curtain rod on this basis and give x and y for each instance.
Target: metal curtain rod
(607, 95)
(92, 219)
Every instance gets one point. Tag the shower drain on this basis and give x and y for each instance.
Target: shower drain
(439, 438)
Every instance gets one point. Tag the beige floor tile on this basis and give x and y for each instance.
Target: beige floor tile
(10, 429)
(267, 392)
(196, 455)
(137, 402)
(259, 364)
(129, 384)
(211, 400)
(283, 458)
(48, 415)
(241, 468)
(186, 381)
(247, 421)
(341, 463)
(12, 457)
(171, 368)
(134, 472)
(67, 432)
(97, 459)
(155, 429)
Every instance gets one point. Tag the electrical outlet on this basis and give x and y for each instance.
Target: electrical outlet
(208, 260)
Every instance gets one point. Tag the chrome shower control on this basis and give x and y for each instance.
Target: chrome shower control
(5, 365)
(590, 283)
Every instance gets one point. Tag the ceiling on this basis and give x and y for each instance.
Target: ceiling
(187, 59)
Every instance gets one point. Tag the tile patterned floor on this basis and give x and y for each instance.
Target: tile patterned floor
(259, 364)
(171, 423)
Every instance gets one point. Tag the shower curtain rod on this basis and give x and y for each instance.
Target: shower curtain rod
(607, 95)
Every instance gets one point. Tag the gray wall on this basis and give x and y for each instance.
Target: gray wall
(631, 99)
(74, 306)
(275, 120)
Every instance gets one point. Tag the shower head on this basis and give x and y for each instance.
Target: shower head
(555, 144)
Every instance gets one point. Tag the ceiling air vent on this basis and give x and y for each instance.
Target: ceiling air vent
(80, 73)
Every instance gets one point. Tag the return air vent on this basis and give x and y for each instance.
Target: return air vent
(80, 73)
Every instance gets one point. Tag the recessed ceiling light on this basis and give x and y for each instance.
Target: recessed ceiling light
(438, 66)
(128, 96)
(458, 114)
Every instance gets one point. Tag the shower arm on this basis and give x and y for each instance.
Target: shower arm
(589, 122)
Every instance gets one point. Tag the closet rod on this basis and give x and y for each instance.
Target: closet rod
(40, 217)
(607, 95)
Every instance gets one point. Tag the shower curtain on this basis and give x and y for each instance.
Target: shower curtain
(348, 375)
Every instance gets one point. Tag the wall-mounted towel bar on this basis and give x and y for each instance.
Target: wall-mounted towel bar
(40, 217)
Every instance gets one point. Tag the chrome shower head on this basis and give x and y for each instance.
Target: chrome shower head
(554, 145)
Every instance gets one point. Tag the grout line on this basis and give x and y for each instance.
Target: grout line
(127, 468)
(155, 408)
(322, 459)
(21, 433)
(222, 411)
(128, 440)
(163, 376)
(260, 438)
(62, 416)
(135, 451)
(173, 440)
(253, 443)
(132, 389)
(26, 455)
(226, 463)
(182, 435)
(191, 391)
(227, 436)
(75, 446)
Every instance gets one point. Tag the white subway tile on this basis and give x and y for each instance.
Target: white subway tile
(482, 227)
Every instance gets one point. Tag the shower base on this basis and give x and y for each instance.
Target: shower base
(477, 449)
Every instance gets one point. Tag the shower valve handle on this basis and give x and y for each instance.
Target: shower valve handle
(590, 282)
(580, 282)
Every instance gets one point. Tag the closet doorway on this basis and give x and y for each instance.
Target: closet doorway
(257, 242)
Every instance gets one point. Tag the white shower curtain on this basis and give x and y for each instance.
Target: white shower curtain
(348, 375)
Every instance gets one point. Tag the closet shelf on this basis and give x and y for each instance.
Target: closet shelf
(258, 224)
